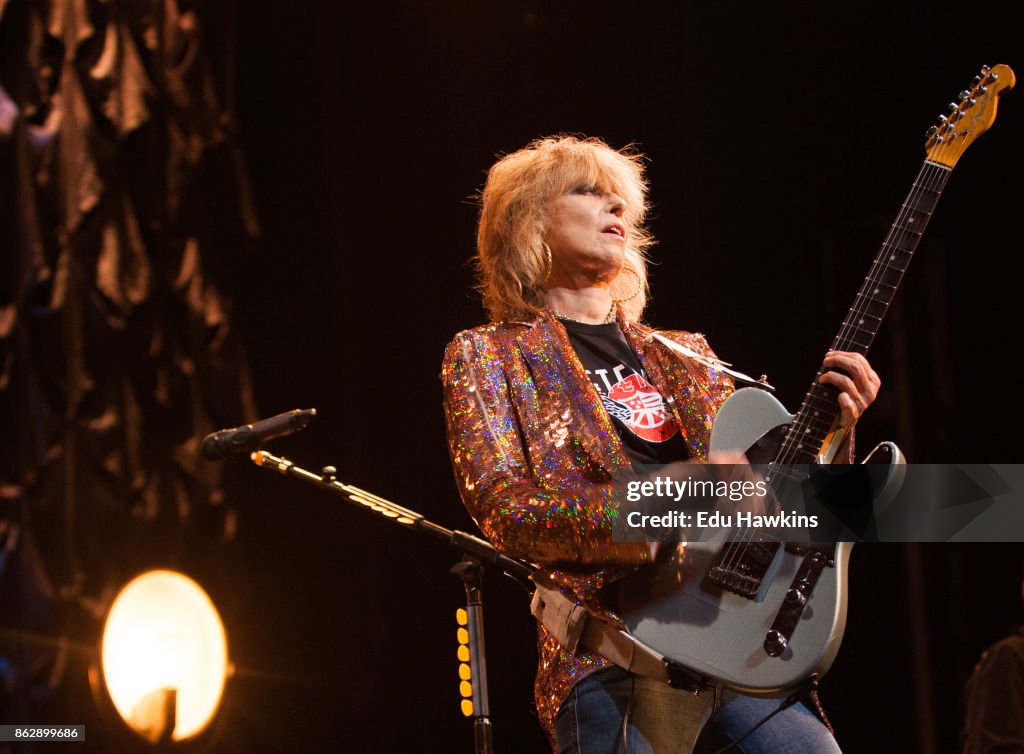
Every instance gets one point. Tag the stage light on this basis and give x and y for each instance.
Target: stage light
(164, 656)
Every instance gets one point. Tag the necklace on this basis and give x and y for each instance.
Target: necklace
(608, 318)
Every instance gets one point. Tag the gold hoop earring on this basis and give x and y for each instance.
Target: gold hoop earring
(550, 263)
(639, 285)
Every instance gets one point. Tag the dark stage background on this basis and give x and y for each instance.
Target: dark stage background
(782, 141)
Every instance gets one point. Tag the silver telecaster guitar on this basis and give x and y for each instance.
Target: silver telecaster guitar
(762, 616)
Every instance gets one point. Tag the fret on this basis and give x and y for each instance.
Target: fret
(849, 343)
(922, 203)
(908, 236)
(890, 269)
(870, 305)
(799, 452)
(858, 324)
(819, 414)
(936, 191)
(884, 279)
(893, 265)
(892, 258)
(877, 285)
(819, 408)
(820, 420)
(901, 241)
(821, 398)
(862, 316)
(910, 225)
(806, 438)
(816, 428)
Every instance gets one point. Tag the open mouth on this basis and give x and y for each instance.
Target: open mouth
(616, 229)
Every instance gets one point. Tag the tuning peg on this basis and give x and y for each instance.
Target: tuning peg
(964, 95)
(993, 77)
(984, 70)
(953, 107)
(931, 131)
(982, 90)
(976, 80)
(943, 120)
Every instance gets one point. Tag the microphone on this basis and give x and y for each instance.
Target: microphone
(230, 442)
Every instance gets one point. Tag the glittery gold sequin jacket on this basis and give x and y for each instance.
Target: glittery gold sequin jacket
(535, 456)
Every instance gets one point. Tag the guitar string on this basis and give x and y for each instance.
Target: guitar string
(875, 275)
(882, 272)
(930, 179)
(879, 269)
(885, 270)
(933, 179)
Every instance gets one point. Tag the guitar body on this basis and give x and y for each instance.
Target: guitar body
(674, 609)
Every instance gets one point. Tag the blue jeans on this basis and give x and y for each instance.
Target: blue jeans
(615, 712)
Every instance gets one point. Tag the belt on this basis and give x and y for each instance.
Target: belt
(574, 627)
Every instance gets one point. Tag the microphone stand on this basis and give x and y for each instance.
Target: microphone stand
(475, 552)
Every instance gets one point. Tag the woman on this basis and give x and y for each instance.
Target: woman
(553, 404)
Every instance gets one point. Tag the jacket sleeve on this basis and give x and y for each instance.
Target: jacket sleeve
(520, 514)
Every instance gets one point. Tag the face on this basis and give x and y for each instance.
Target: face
(587, 236)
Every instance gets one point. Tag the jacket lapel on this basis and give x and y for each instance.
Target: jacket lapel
(566, 392)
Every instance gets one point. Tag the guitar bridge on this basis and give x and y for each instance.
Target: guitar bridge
(740, 568)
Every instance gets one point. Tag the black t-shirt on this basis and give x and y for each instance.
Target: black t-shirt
(647, 429)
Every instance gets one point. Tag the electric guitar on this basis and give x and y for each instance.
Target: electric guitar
(748, 611)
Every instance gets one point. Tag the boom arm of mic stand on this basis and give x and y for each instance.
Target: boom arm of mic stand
(475, 551)
(326, 480)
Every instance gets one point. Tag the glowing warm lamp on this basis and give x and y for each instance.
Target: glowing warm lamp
(164, 649)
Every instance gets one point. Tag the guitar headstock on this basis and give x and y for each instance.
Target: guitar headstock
(970, 117)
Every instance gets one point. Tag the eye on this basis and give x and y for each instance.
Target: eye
(590, 190)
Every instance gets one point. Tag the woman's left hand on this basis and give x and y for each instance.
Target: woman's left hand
(857, 383)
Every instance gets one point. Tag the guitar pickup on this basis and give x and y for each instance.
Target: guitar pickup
(779, 635)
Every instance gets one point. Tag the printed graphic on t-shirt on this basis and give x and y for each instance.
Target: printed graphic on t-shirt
(634, 402)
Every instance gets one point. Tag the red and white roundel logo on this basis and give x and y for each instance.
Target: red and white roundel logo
(647, 415)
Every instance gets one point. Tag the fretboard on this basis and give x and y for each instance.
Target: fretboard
(819, 409)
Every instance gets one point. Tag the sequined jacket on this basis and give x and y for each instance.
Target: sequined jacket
(536, 456)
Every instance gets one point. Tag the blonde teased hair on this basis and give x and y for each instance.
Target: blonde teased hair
(512, 265)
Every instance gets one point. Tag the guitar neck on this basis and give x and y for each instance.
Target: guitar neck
(813, 423)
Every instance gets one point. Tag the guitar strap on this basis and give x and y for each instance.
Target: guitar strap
(718, 364)
(574, 627)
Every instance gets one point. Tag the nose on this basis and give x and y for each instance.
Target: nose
(616, 205)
